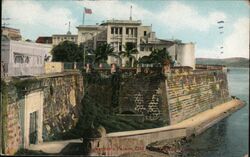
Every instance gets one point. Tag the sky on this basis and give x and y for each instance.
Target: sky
(187, 20)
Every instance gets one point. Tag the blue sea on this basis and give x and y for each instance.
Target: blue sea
(229, 137)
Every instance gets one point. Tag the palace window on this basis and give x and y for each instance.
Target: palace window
(27, 59)
(145, 33)
(120, 47)
(127, 30)
(18, 58)
(120, 30)
(112, 30)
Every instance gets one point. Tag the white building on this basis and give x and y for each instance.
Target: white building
(21, 58)
(119, 32)
(58, 38)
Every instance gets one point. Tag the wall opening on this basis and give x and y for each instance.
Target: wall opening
(33, 128)
(33, 118)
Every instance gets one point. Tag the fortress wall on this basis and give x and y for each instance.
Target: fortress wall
(62, 99)
(109, 145)
(192, 92)
(144, 94)
(57, 113)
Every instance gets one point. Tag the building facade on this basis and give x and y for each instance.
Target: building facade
(21, 58)
(44, 40)
(58, 38)
(11, 33)
(119, 32)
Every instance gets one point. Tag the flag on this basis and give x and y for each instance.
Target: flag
(87, 11)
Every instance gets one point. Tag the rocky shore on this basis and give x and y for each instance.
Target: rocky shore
(173, 147)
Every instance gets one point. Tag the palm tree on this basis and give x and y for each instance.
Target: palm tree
(130, 50)
(157, 56)
(102, 52)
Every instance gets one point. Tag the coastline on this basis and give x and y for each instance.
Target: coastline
(176, 146)
(193, 127)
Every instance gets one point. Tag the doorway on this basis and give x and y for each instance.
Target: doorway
(33, 128)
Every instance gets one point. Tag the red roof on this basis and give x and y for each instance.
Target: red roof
(44, 40)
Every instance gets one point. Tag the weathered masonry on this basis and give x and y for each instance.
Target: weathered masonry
(38, 109)
(152, 94)
(182, 93)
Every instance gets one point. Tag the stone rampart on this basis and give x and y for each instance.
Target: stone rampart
(56, 105)
(191, 92)
(115, 145)
(171, 96)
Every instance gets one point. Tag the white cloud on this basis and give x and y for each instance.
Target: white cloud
(31, 14)
(236, 44)
(177, 16)
(115, 9)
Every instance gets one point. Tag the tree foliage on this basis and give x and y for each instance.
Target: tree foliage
(130, 51)
(157, 56)
(102, 52)
(67, 51)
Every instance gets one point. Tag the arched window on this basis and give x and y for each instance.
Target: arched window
(27, 59)
(18, 58)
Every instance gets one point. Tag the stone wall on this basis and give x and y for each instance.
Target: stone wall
(13, 132)
(143, 95)
(178, 95)
(191, 92)
(62, 95)
(117, 144)
(53, 67)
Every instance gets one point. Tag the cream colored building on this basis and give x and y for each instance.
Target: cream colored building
(11, 33)
(58, 38)
(119, 32)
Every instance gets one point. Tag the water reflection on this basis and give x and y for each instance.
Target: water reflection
(229, 137)
(210, 141)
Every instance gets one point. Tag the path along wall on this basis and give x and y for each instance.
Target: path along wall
(54, 98)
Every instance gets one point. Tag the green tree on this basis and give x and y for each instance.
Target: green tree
(130, 50)
(102, 52)
(67, 51)
(157, 56)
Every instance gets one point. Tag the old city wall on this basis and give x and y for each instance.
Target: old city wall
(178, 95)
(173, 97)
(190, 92)
(62, 98)
(59, 97)
(145, 94)
(11, 138)
(181, 94)
(114, 145)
